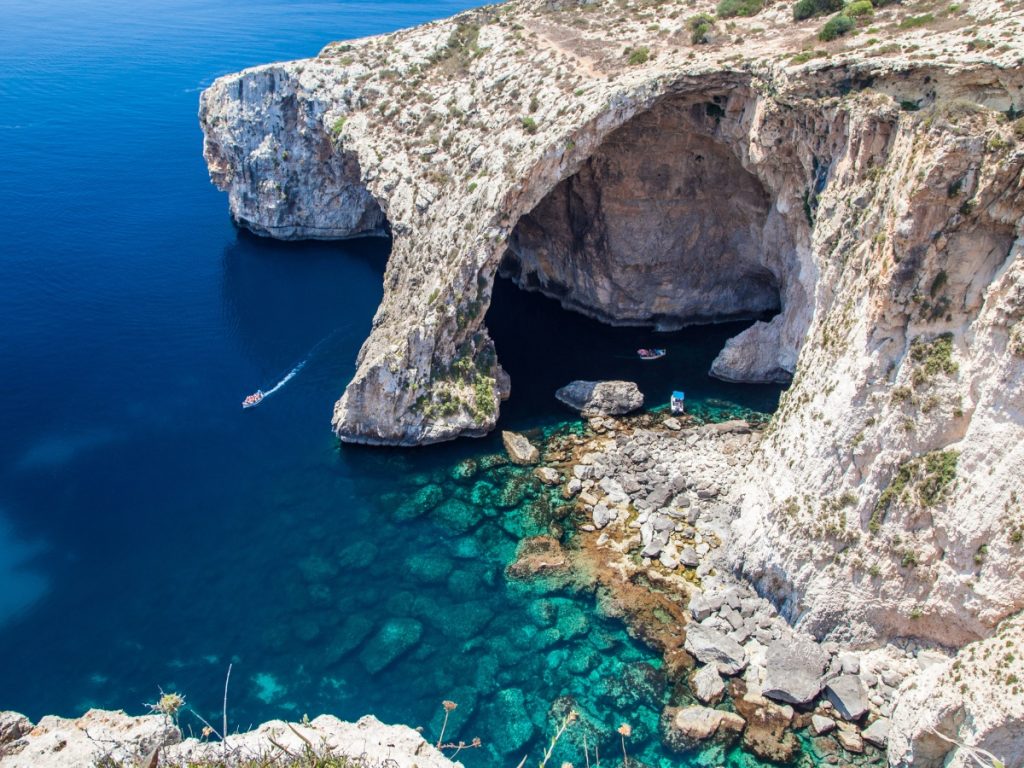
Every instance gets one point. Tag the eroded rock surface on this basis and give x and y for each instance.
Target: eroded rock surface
(601, 398)
(103, 737)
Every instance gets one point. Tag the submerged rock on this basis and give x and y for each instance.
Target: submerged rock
(456, 515)
(394, 639)
(538, 556)
(601, 398)
(767, 734)
(508, 717)
(347, 637)
(419, 503)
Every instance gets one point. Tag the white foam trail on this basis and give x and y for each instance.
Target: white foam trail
(295, 371)
(291, 375)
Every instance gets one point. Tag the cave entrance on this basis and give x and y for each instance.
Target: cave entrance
(662, 238)
(543, 346)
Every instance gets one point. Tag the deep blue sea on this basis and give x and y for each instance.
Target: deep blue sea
(151, 532)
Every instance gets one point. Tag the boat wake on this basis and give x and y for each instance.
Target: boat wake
(259, 396)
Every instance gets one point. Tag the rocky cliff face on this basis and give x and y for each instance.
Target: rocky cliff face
(869, 190)
(103, 737)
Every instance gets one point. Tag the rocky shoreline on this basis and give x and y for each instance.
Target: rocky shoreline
(655, 500)
(109, 738)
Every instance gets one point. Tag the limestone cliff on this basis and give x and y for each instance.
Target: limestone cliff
(869, 189)
(103, 737)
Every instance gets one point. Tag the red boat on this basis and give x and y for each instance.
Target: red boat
(254, 399)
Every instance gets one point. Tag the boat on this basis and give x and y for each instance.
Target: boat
(677, 403)
(254, 399)
(650, 354)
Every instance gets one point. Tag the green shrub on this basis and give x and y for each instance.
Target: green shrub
(805, 56)
(639, 55)
(835, 27)
(805, 9)
(932, 358)
(728, 8)
(699, 26)
(859, 8)
(529, 125)
(913, 22)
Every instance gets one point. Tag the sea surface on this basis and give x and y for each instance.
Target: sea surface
(152, 533)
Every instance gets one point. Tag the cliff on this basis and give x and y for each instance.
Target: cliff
(102, 737)
(868, 189)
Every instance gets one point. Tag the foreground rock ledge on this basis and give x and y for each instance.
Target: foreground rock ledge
(98, 735)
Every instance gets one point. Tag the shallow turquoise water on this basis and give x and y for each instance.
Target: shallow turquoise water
(151, 532)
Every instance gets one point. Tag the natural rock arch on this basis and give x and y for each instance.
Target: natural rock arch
(663, 224)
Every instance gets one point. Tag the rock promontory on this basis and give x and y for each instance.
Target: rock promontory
(648, 165)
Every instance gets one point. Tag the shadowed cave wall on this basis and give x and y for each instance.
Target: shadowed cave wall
(661, 226)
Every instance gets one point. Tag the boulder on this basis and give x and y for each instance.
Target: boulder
(547, 475)
(767, 733)
(822, 725)
(689, 727)
(707, 684)
(702, 605)
(877, 733)
(520, 450)
(601, 398)
(689, 558)
(602, 516)
(848, 696)
(851, 663)
(795, 666)
(849, 739)
(710, 646)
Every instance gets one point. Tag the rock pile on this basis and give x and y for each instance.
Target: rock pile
(657, 500)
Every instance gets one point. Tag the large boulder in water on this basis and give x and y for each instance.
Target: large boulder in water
(519, 449)
(687, 728)
(601, 398)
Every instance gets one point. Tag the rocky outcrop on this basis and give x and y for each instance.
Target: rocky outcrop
(609, 186)
(601, 398)
(115, 738)
(974, 700)
(874, 197)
